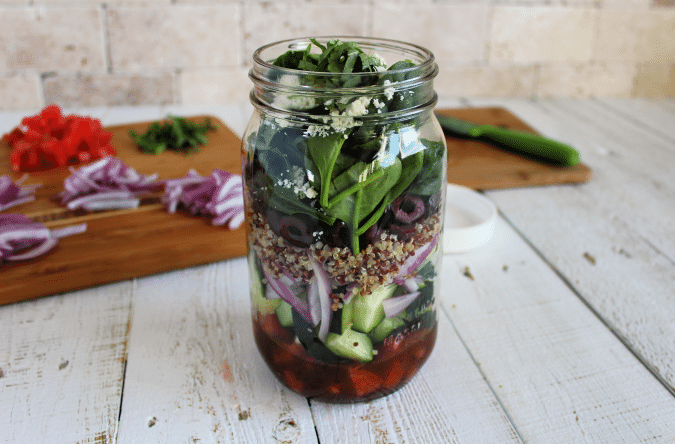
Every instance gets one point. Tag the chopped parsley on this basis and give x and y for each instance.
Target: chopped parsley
(176, 134)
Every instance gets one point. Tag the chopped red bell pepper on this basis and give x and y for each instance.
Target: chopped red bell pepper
(51, 139)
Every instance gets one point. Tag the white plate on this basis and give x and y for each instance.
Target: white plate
(469, 219)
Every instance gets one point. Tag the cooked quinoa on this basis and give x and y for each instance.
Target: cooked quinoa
(375, 265)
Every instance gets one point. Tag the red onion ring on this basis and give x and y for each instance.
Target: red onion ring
(396, 305)
(323, 284)
(105, 185)
(219, 195)
(13, 193)
(22, 239)
(412, 263)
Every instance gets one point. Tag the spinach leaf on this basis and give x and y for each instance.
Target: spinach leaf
(355, 178)
(429, 181)
(324, 152)
(280, 152)
(371, 197)
(289, 59)
(336, 56)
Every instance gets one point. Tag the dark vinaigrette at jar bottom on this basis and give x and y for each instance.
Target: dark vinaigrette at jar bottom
(398, 359)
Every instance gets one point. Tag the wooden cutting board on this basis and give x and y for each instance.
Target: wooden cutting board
(126, 244)
(482, 166)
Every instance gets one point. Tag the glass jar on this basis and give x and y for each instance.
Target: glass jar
(344, 187)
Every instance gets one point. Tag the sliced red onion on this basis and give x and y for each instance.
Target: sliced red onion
(287, 295)
(22, 239)
(70, 230)
(395, 306)
(105, 185)
(314, 301)
(352, 290)
(12, 218)
(41, 248)
(102, 197)
(14, 193)
(323, 285)
(412, 284)
(416, 259)
(219, 195)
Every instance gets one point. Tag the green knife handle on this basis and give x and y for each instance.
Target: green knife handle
(529, 143)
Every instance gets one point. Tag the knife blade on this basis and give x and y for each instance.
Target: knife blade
(520, 142)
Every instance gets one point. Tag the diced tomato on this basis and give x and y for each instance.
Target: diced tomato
(364, 382)
(50, 139)
(271, 326)
(292, 381)
(395, 375)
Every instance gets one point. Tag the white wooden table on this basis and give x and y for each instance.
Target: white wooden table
(565, 334)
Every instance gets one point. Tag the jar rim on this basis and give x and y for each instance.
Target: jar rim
(424, 55)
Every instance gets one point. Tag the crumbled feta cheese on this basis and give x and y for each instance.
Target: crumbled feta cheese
(283, 123)
(297, 183)
(341, 122)
(297, 103)
(293, 102)
(318, 130)
(379, 105)
(389, 92)
(309, 191)
(338, 121)
(289, 80)
(382, 66)
(358, 107)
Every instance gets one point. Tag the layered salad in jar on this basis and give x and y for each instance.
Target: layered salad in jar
(344, 198)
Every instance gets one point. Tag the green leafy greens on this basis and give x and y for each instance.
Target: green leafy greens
(357, 170)
(336, 56)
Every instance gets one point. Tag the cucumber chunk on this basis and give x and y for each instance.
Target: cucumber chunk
(367, 311)
(260, 302)
(346, 316)
(384, 328)
(351, 344)
(285, 314)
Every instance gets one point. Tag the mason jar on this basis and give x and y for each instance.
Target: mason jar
(344, 186)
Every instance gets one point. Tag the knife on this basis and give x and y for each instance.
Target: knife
(521, 142)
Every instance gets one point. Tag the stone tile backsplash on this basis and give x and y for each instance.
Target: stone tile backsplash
(143, 52)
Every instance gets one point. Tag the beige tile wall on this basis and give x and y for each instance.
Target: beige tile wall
(141, 52)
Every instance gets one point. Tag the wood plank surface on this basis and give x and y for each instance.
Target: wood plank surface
(554, 366)
(612, 239)
(655, 116)
(62, 366)
(194, 366)
(194, 373)
(448, 401)
(479, 165)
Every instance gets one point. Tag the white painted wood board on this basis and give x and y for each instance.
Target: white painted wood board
(650, 115)
(62, 366)
(618, 246)
(194, 374)
(448, 401)
(558, 371)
